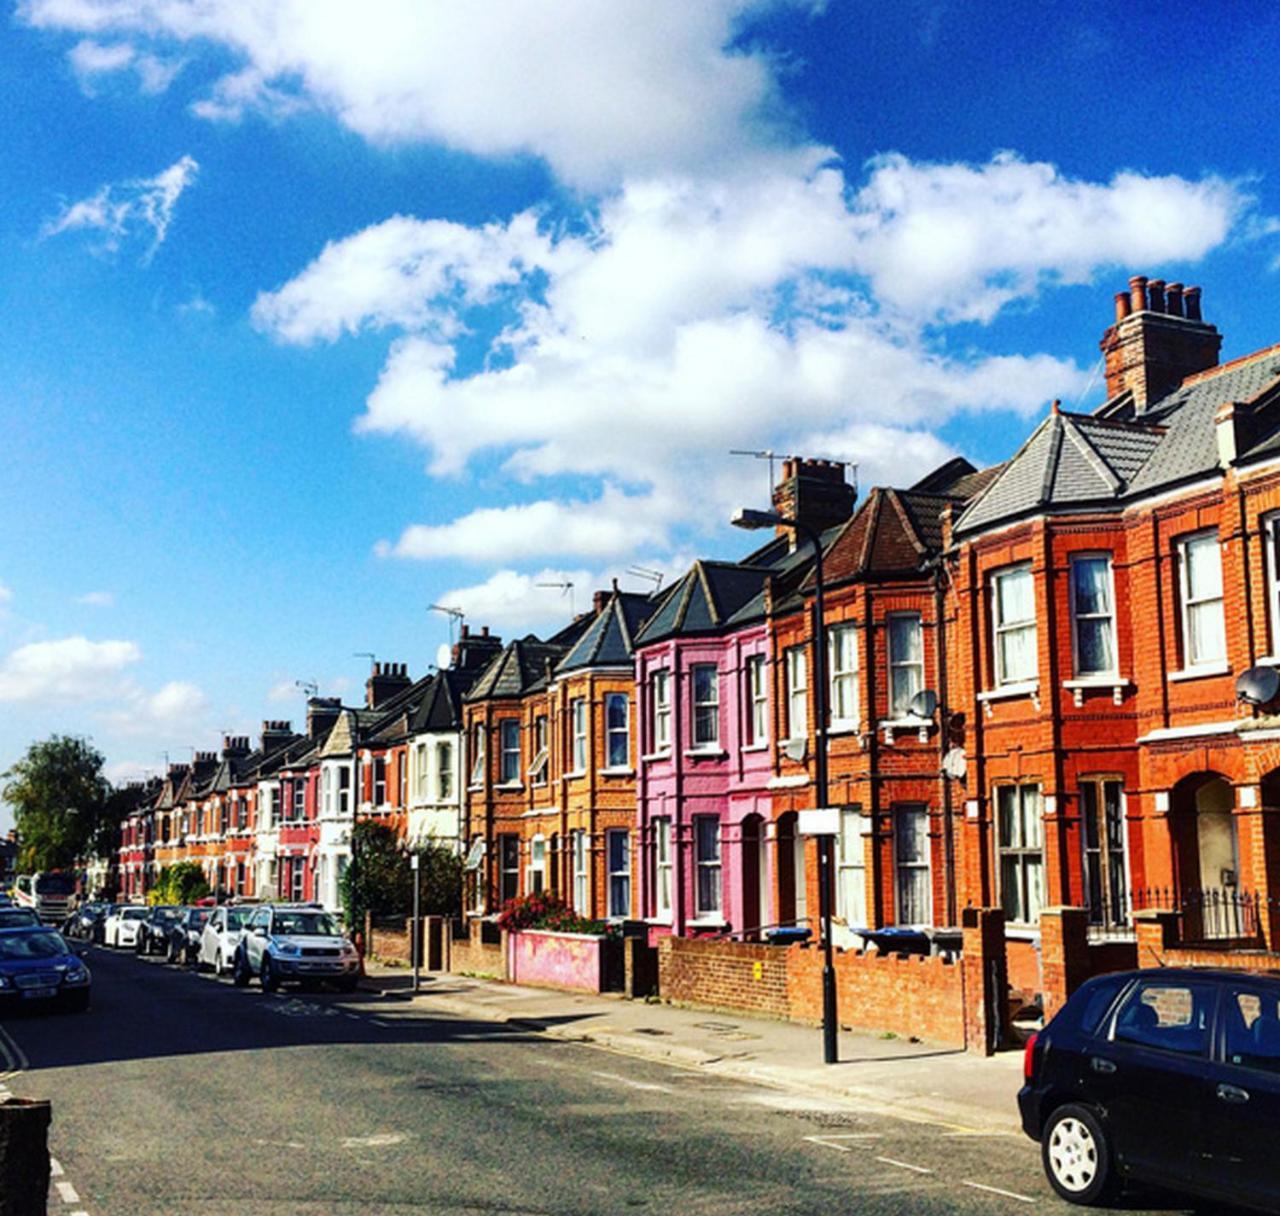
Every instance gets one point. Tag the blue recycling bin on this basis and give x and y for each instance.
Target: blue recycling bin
(787, 935)
(897, 940)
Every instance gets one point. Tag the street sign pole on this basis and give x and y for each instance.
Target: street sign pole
(417, 919)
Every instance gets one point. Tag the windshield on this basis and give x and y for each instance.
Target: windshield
(197, 916)
(316, 923)
(237, 918)
(17, 918)
(55, 884)
(44, 943)
(133, 913)
(165, 914)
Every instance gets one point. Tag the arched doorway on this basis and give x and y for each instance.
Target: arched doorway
(1207, 857)
(792, 901)
(754, 916)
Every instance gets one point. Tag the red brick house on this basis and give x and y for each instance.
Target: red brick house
(1108, 590)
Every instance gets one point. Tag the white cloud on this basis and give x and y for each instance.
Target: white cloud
(117, 212)
(121, 772)
(175, 710)
(65, 671)
(597, 90)
(91, 60)
(97, 599)
(284, 690)
(5, 594)
(197, 304)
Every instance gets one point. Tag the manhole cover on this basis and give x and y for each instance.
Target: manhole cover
(716, 1025)
(827, 1118)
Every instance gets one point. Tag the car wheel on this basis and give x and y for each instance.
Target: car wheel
(240, 971)
(269, 981)
(139, 944)
(1077, 1156)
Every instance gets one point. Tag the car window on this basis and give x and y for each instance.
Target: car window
(1252, 1028)
(1170, 1015)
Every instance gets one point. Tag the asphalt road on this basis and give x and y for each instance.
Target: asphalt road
(180, 1095)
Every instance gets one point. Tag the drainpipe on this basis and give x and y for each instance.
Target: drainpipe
(944, 742)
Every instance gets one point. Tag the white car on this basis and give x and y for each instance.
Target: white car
(121, 927)
(295, 943)
(220, 937)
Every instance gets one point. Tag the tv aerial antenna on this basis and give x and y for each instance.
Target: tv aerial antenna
(653, 576)
(565, 588)
(310, 687)
(770, 455)
(456, 617)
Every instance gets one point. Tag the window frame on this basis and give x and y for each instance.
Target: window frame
(579, 735)
(712, 703)
(618, 876)
(613, 733)
(508, 874)
(380, 779)
(757, 700)
(479, 767)
(420, 771)
(1001, 627)
(796, 668)
(1186, 603)
(899, 712)
(580, 854)
(707, 864)
(663, 895)
(1077, 668)
(1269, 525)
(845, 677)
(1021, 852)
(536, 876)
(851, 863)
(509, 752)
(444, 770)
(904, 868)
(541, 752)
(660, 710)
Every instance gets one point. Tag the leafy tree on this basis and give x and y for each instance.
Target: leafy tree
(379, 878)
(61, 802)
(181, 883)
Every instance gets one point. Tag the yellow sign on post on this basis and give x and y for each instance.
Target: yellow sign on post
(757, 970)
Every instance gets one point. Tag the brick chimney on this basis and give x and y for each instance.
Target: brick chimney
(1157, 341)
(814, 492)
(275, 734)
(387, 680)
(235, 746)
(473, 651)
(322, 713)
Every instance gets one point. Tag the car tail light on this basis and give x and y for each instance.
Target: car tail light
(1029, 1059)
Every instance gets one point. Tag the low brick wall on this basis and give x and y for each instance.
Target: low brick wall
(575, 962)
(391, 941)
(907, 995)
(475, 948)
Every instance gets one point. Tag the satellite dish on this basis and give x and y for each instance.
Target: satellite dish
(444, 656)
(923, 704)
(955, 765)
(796, 749)
(1258, 686)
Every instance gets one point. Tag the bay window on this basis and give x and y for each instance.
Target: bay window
(842, 664)
(1093, 615)
(797, 677)
(581, 873)
(1014, 610)
(757, 701)
(906, 661)
(660, 693)
(477, 755)
(1204, 635)
(706, 705)
(617, 726)
(662, 868)
(509, 761)
(707, 864)
(578, 712)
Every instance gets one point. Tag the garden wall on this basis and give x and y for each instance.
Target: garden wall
(577, 962)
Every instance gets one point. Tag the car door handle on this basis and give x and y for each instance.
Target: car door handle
(1233, 1093)
(1098, 1064)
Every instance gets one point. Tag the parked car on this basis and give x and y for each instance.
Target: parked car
(37, 965)
(1169, 1076)
(120, 929)
(221, 937)
(6, 900)
(18, 918)
(153, 933)
(184, 937)
(295, 943)
(85, 921)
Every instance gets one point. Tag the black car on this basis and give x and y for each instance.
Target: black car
(85, 922)
(184, 935)
(153, 933)
(37, 967)
(1169, 1076)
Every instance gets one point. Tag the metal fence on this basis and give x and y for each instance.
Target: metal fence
(1209, 915)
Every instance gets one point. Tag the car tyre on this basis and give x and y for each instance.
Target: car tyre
(240, 971)
(268, 975)
(1077, 1156)
(139, 945)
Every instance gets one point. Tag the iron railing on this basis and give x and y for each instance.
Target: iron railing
(1208, 915)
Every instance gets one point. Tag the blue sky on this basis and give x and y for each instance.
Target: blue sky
(317, 314)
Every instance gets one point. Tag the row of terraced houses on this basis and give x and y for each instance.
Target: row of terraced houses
(1083, 614)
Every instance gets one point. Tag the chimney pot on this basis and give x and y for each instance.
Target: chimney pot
(1173, 299)
(1155, 295)
(466, 630)
(1191, 303)
(1138, 292)
(484, 631)
(1122, 305)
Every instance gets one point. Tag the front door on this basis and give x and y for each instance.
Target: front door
(1242, 1096)
(1149, 1076)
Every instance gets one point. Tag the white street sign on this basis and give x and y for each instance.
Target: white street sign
(825, 821)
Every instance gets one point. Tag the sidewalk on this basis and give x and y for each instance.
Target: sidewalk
(893, 1076)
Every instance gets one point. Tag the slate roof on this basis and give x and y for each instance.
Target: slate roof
(609, 639)
(710, 596)
(521, 668)
(440, 708)
(1114, 455)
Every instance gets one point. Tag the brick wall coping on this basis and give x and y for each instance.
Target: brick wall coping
(581, 937)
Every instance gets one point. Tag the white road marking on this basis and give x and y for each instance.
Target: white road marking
(379, 1022)
(67, 1191)
(378, 1140)
(55, 1168)
(904, 1165)
(828, 1141)
(630, 1084)
(995, 1190)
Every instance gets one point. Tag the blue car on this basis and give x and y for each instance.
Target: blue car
(37, 967)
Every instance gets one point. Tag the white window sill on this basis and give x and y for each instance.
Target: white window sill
(1269, 660)
(703, 922)
(788, 783)
(475, 789)
(652, 756)
(1116, 685)
(911, 723)
(1201, 671)
(1026, 688)
(754, 747)
(843, 727)
(705, 753)
(664, 921)
(615, 772)
(574, 775)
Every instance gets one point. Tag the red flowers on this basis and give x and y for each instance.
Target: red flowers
(543, 911)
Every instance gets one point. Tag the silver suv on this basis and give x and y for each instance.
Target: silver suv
(295, 943)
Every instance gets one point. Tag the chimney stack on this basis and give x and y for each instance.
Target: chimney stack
(322, 713)
(814, 492)
(475, 651)
(1157, 341)
(235, 746)
(275, 734)
(599, 602)
(386, 681)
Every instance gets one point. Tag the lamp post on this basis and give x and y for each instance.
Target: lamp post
(752, 521)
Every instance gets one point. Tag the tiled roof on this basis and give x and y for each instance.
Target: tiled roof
(705, 600)
(521, 668)
(1076, 460)
(440, 708)
(609, 640)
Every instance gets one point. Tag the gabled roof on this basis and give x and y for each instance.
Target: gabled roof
(440, 709)
(1111, 456)
(705, 600)
(609, 640)
(521, 668)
